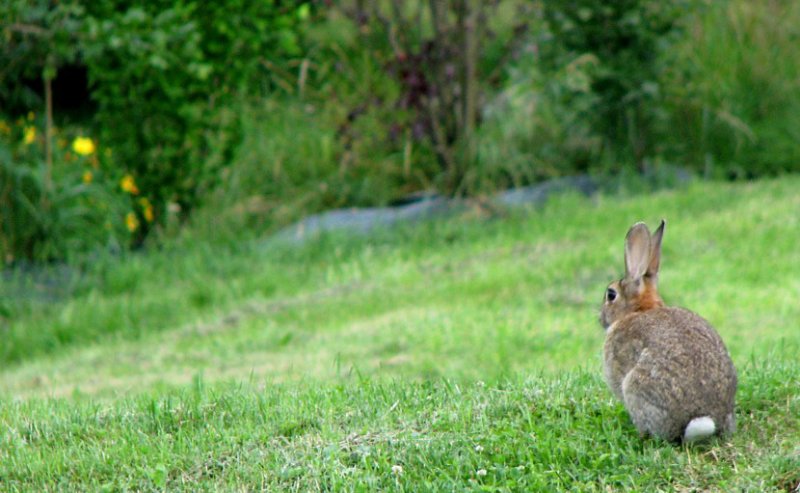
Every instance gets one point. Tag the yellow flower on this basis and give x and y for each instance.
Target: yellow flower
(128, 185)
(83, 146)
(30, 135)
(147, 209)
(131, 222)
(87, 176)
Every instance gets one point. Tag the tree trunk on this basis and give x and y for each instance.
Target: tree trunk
(469, 87)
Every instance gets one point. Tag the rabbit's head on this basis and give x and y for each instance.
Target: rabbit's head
(638, 290)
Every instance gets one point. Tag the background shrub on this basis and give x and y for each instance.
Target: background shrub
(165, 78)
(261, 112)
(50, 211)
(616, 48)
(733, 90)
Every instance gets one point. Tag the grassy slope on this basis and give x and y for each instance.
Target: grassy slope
(325, 366)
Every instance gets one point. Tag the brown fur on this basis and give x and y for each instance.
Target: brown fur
(648, 298)
(667, 364)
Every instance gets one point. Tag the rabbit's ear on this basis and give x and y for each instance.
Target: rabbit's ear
(655, 250)
(637, 252)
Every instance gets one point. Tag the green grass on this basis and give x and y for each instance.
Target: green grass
(446, 348)
(530, 434)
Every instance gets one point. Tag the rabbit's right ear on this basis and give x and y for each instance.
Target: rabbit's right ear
(637, 252)
(655, 254)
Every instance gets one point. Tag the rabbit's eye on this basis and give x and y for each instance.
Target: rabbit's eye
(611, 294)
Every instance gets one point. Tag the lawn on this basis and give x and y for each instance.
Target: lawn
(457, 354)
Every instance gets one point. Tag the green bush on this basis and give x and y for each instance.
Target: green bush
(150, 79)
(624, 40)
(163, 75)
(711, 86)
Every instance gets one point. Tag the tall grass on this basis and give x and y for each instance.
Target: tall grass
(734, 89)
(286, 164)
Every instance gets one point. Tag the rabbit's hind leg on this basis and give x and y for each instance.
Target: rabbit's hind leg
(648, 417)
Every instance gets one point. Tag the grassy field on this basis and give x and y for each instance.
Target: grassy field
(460, 354)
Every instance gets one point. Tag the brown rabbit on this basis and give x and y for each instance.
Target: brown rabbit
(667, 364)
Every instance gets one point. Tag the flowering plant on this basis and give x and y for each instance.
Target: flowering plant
(75, 201)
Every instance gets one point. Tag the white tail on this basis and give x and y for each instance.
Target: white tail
(699, 428)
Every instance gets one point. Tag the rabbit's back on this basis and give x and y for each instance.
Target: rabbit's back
(671, 360)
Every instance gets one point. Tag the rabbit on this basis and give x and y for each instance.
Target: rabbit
(667, 364)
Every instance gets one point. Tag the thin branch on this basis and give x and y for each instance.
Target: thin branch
(439, 138)
(48, 133)
(402, 28)
(469, 74)
(389, 28)
(29, 29)
(301, 78)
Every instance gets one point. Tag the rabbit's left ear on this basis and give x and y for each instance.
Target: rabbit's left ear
(655, 250)
(637, 252)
